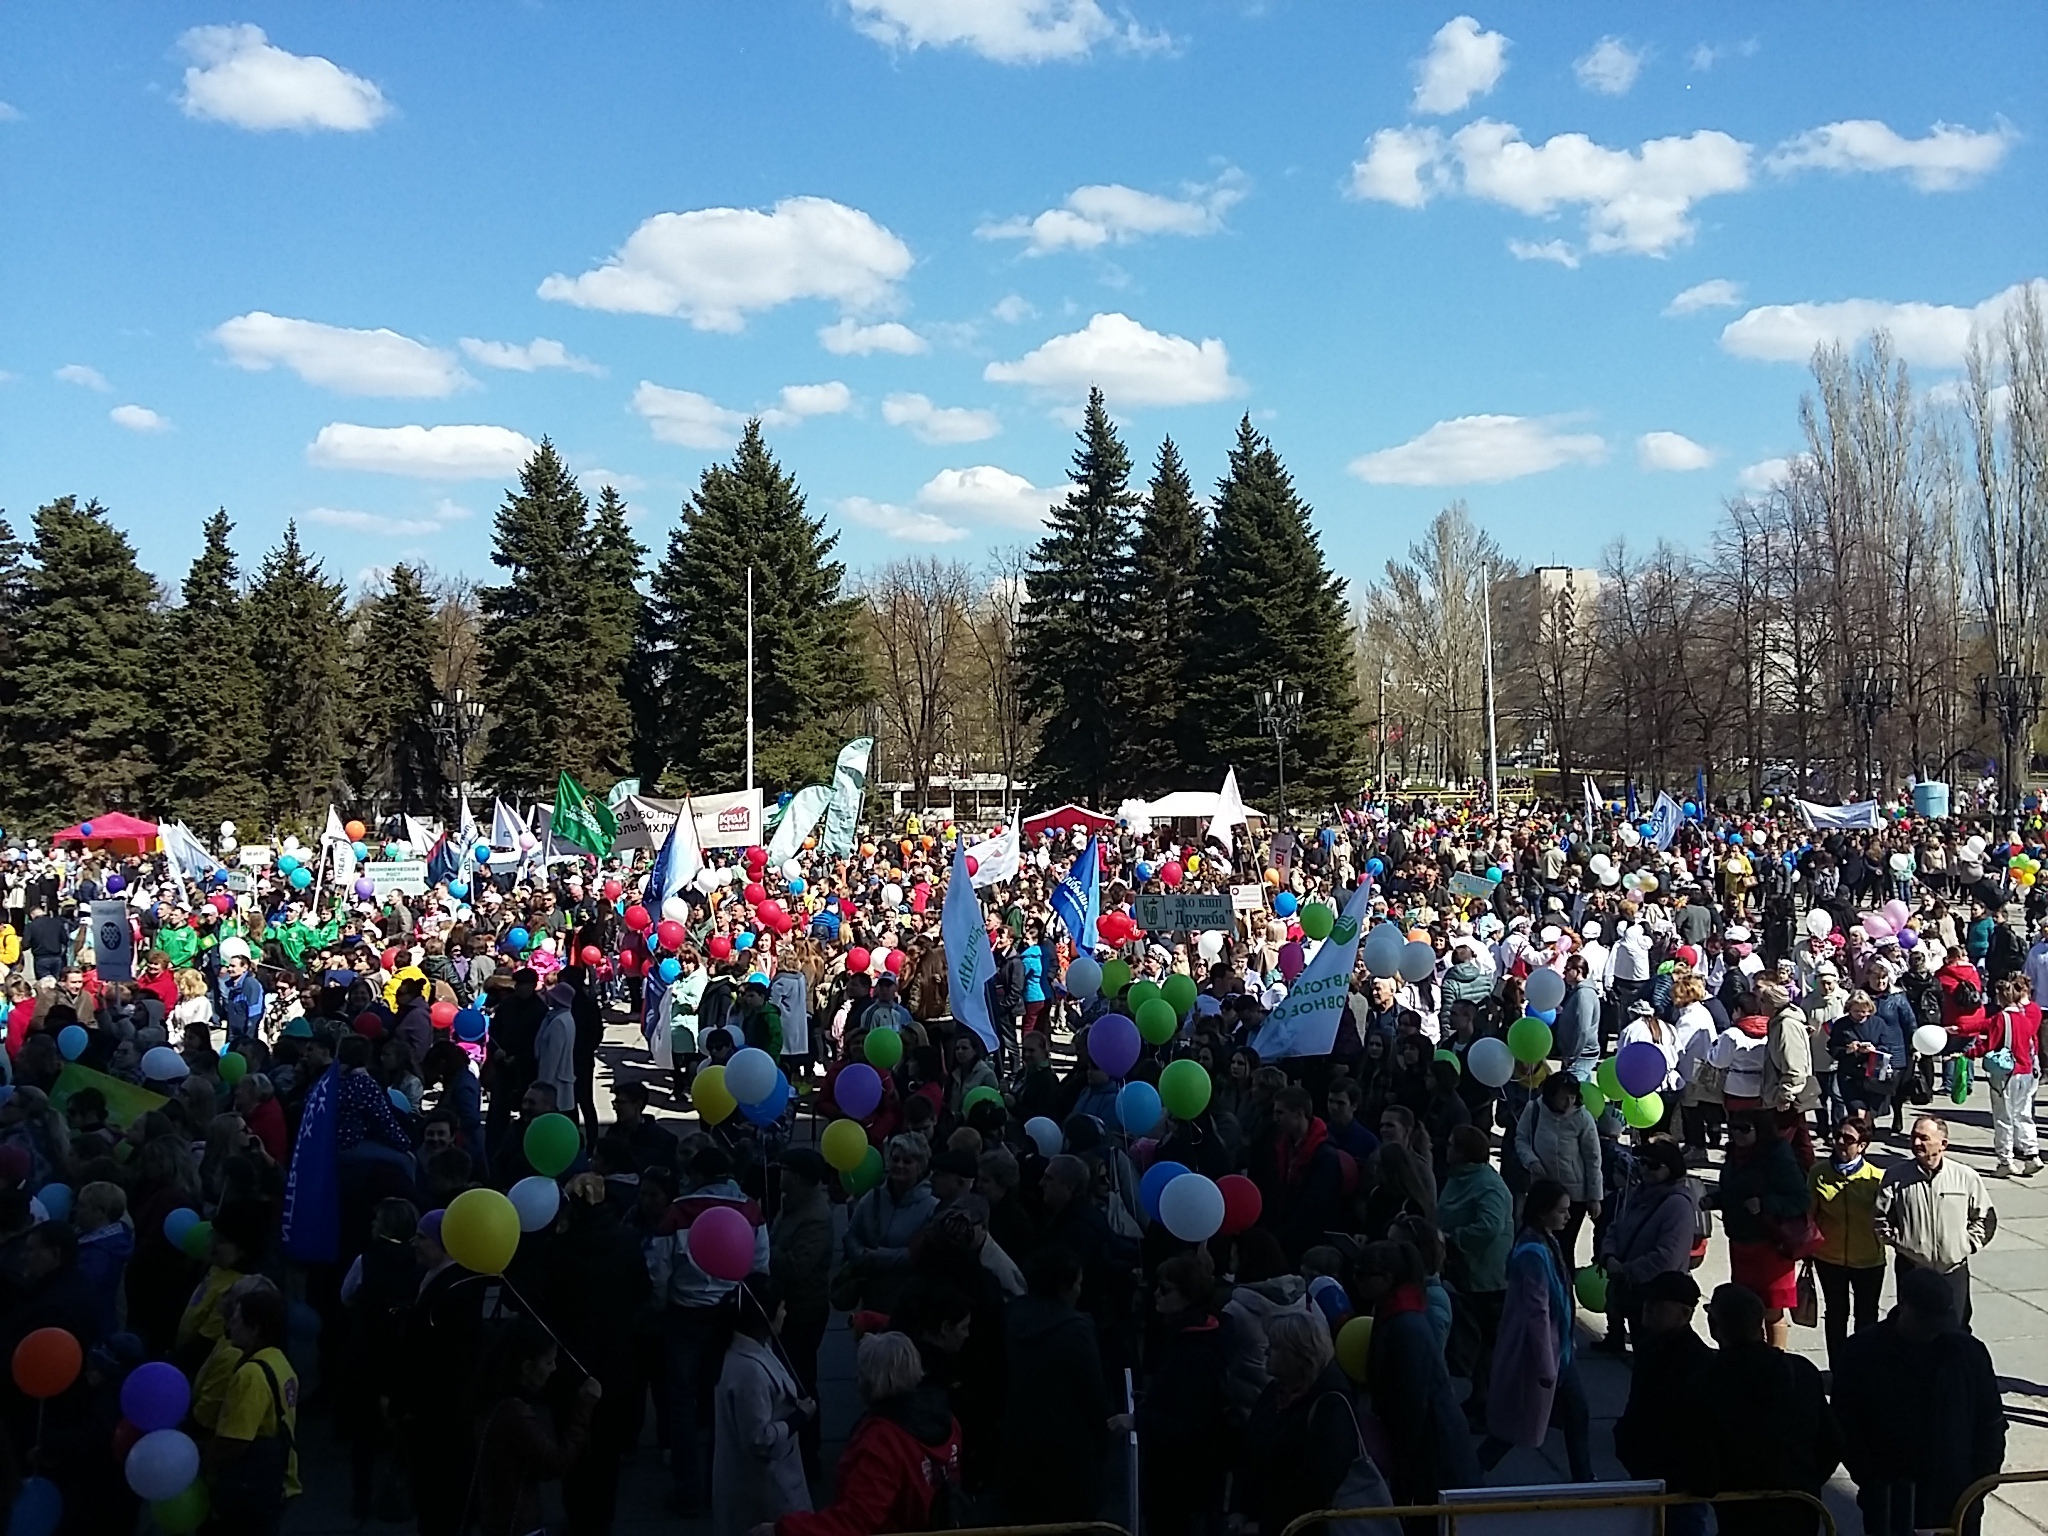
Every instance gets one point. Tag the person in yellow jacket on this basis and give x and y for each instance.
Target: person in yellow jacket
(1851, 1258)
(10, 946)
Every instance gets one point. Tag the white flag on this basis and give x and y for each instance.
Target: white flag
(1229, 814)
(1666, 817)
(970, 963)
(339, 847)
(996, 858)
(505, 827)
(421, 836)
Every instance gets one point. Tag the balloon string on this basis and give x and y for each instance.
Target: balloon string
(534, 1312)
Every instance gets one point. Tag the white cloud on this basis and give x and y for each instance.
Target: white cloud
(950, 505)
(535, 355)
(1761, 476)
(1404, 166)
(1559, 251)
(1462, 62)
(1949, 158)
(429, 453)
(238, 76)
(1013, 307)
(595, 479)
(930, 423)
(349, 362)
(1132, 365)
(904, 523)
(80, 374)
(1714, 293)
(849, 338)
(9, 113)
(1611, 68)
(713, 265)
(799, 401)
(686, 418)
(1705, 56)
(1006, 31)
(1926, 335)
(1672, 452)
(1479, 450)
(445, 512)
(138, 418)
(1113, 214)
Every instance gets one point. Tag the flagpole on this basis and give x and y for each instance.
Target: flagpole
(750, 677)
(1486, 639)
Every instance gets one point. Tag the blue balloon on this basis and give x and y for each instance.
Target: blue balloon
(757, 976)
(301, 878)
(72, 1041)
(399, 1101)
(220, 877)
(1735, 837)
(517, 940)
(770, 1109)
(1144, 871)
(1547, 1015)
(1157, 1177)
(743, 941)
(470, 1024)
(1496, 874)
(360, 849)
(1691, 809)
(1138, 1108)
(784, 798)
(85, 829)
(178, 1223)
(669, 969)
(796, 885)
(286, 863)
(56, 1199)
(38, 1508)
(1375, 868)
(1284, 904)
(459, 889)
(116, 885)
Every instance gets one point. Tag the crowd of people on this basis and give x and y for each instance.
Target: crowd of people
(237, 1162)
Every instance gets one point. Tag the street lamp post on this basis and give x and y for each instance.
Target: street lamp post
(1865, 697)
(1279, 713)
(457, 719)
(2016, 696)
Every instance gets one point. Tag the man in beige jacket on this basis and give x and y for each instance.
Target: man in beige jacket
(1935, 1213)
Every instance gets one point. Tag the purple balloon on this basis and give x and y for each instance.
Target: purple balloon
(1292, 962)
(1113, 1044)
(1908, 939)
(365, 889)
(857, 1090)
(1641, 1068)
(155, 1396)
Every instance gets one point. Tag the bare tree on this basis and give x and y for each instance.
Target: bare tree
(992, 624)
(916, 611)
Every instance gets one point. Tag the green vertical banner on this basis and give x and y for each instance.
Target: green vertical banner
(578, 819)
(849, 786)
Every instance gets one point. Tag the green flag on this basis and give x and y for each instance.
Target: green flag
(578, 819)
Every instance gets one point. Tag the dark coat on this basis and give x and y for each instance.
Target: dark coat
(1955, 1433)
(1761, 1421)
(1653, 1233)
(1411, 1397)
(1183, 1431)
(1294, 1456)
(1056, 1413)
(1650, 1438)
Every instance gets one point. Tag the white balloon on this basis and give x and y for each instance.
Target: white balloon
(1976, 844)
(1191, 1206)
(1901, 862)
(1045, 1135)
(1490, 1062)
(1928, 1040)
(161, 1064)
(1418, 960)
(727, 874)
(708, 880)
(750, 1075)
(1084, 977)
(1383, 948)
(1610, 876)
(1210, 946)
(793, 869)
(675, 910)
(1819, 924)
(1544, 990)
(1599, 864)
(536, 1200)
(547, 944)
(291, 845)
(892, 895)
(227, 829)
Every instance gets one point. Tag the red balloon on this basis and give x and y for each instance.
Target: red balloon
(391, 961)
(892, 962)
(1241, 1203)
(755, 893)
(670, 933)
(858, 959)
(443, 1015)
(613, 890)
(973, 865)
(1295, 933)
(125, 1436)
(1170, 873)
(721, 947)
(368, 1025)
(757, 856)
(1109, 926)
(46, 1362)
(636, 918)
(592, 955)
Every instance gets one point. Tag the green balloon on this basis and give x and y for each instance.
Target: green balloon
(883, 1048)
(233, 1068)
(1591, 1285)
(552, 1143)
(1179, 990)
(1116, 975)
(858, 1181)
(1452, 1058)
(1317, 920)
(1157, 1021)
(1143, 992)
(1594, 1098)
(1184, 1089)
(1529, 1039)
(982, 1095)
(197, 1242)
(182, 1512)
(1609, 1079)
(1644, 1112)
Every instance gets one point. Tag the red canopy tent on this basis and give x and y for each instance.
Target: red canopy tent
(1066, 817)
(114, 831)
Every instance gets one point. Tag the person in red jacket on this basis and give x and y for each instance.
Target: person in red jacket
(901, 1467)
(2011, 1050)
(1962, 994)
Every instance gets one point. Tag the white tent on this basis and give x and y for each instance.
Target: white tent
(1196, 804)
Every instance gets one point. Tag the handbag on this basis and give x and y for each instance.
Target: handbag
(250, 1487)
(1806, 1310)
(1363, 1485)
(1794, 1237)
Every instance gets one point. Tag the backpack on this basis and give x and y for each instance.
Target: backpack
(1967, 998)
(1347, 1167)
(1702, 1222)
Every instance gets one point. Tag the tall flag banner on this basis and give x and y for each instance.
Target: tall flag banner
(1229, 815)
(849, 786)
(1305, 1023)
(1077, 899)
(189, 859)
(312, 1183)
(506, 828)
(805, 807)
(1666, 817)
(338, 847)
(616, 795)
(970, 963)
(678, 862)
(419, 836)
(1593, 802)
(997, 858)
(578, 819)
(444, 861)
(1631, 799)
(1699, 791)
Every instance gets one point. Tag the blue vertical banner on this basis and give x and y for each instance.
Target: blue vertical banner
(970, 963)
(1077, 899)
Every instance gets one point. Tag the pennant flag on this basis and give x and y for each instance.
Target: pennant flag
(1229, 815)
(1631, 799)
(1593, 801)
(444, 861)
(188, 856)
(467, 832)
(1077, 899)
(588, 824)
(849, 785)
(970, 963)
(334, 831)
(1666, 817)
(1305, 1023)
(506, 828)
(678, 862)
(419, 836)
(339, 848)
(996, 858)
(802, 813)
(616, 795)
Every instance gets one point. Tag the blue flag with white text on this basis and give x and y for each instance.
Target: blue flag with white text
(1077, 899)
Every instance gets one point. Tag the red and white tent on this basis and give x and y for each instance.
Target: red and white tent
(1066, 818)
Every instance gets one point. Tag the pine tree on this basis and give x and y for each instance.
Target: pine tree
(1267, 610)
(808, 675)
(611, 608)
(13, 603)
(212, 706)
(1073, 658)
(1164, 559)
(397, 760)
(79, 718)
(299, 634)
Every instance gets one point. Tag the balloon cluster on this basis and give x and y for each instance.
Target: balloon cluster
(2024, 868)
(750, 1082)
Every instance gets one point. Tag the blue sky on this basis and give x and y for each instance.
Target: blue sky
(340, 263)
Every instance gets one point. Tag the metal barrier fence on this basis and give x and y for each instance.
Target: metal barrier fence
(1659, 1502)
(1977, 1491)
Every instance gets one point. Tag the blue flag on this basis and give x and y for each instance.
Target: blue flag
(1631, 799)
(444, 862)
(1077, 899)
(312, 1186)
(970, 963)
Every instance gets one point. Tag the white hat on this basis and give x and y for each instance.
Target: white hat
(1736, 934)
(1751, 965)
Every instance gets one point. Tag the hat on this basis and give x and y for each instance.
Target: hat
(562, 995)
(1926, 1291)
(118, 1354)
(956, 1162)
(300, 1028)
(1736, 934)
(1673, 1285)
(1827, 968)
(1751, 965)
(1641, 1009)
(1206, 1006)
(806, 1163)
(1687, 955)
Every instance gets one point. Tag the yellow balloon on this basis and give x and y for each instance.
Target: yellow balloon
(1354, 1339)
(1194, 862)
(845, 1145)
(713, 1099)
(480, 1231)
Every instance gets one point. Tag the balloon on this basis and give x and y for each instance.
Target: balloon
(859, 960)
(1529, 1039)
(1930, 1039)
(892, 896)
(286, 863)
(671, 933)
(399, 1100)
(892, 962)
(366, 888)
(1284, 904)
(1591, 1285)
(1141, 992)
(613, 890)
(72, 1041)
(233, 1068)
(443, 1015)
(1113, 1044)
(1210, 946)
(1875, 926)
(1157, 1021)
(722, 1243)
(720, 947)
(743, 941)
(1137, 1108)
(844, 1144)
(1084, 978)
(636, 918)
(670, 970)
(517, 940)
(1418, 960)
(85, 829)
(301, 878)
(857, 1090)
(470, 1024)
(1184, 1088)
(48, 1360)
(177, 1223)
(1896, 913)
(1354, 1343)
(1292, 961)
(1490, 1062)
(883, 1048)
(161, 1064)
(536, 1200)
(1116, 975)
(38, 1509)
(1045, 1135)
(750, 1075)
(1544, 989)
(1170, 873)
(458, 889)
(551, 1144)
(1375, 868)
(1191, 1207)
(116, 885)
(1608, 1076)
(675, 909)
(182, 1512)
(1640, 1068)
(1154, 1183)
(197, 1243)
(1908, 939)
(1317, 920)
(591, 955)
(755, 893)
(1643, 1111)
(756, 856)
(713, 1100)
(1179, 992)
(1819, 924)
(1450, 1058)
(1594, 1097)
(480, 1229)
(866, 1176)
(1241, 1203)
(162, 1465)
(1383, 948)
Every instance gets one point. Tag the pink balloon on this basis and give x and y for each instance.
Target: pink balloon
(1875, 926)
(1896, 912)
(722, 1243)
(1291, 962)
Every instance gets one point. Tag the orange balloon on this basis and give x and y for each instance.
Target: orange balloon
(355, 831)
(904, 845)
(867, 850)
(925, 843)
(1273, 878)
(810, 843)
(46, 1362)
(1418, 936)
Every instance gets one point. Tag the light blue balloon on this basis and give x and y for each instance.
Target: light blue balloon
(743, 941)
(669, 969)
(72, 1041)
(796, 885)
(459, 889)
(1138, 1108)
(56, 1199)
(360, 849)
(399, 1101)
(301, 878)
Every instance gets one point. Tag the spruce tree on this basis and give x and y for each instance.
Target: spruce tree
(1073, 660)
(13, 602)
(1267, 610)
(397, 760)
(79, 717)
(1164, 558)
(299, 633)
(213, 695)
(808, 675)
(611, 604)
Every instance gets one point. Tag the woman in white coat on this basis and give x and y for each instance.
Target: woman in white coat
(757, 1468)
(1556, 1139)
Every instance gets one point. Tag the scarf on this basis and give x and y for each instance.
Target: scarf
(1755, 1025)
(1848, 1169)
